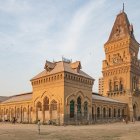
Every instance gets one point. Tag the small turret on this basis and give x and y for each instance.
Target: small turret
(49, 66)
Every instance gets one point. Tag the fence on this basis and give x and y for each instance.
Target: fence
(90, 119)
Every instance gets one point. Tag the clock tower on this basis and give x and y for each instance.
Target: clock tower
(121, 67)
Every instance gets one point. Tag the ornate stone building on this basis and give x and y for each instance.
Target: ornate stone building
(121, 67)
(62, 93)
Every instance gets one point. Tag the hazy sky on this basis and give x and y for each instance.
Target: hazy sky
(32, 31)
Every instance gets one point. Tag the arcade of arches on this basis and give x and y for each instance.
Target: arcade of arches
(77, 109)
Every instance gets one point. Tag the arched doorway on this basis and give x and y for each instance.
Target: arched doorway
(135, 111)
(71, 109)
(24, 114)
(123, 113)
(109, 115)
(104, 112)
(2, 115)
(93, 113)
(12, 114)
(114, 113)
(39, 111)
(7, 117)
(85, 109)
(46, 109)
(98, 113)
(79, 112)
(18, 115)
(54, 110)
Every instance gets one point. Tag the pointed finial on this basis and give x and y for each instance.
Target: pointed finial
(123, 7)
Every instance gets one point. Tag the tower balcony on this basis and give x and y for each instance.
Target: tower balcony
(123, 92)
(116, 93)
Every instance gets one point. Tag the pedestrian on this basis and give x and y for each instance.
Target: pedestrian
(38, 123)
(13, 120)
(126, 120)
(123, 120)
(133, 119)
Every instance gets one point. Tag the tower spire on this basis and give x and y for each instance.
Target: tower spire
(123, 8)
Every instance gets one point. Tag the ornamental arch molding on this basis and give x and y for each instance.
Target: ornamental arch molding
(74, 97)
(46, 93)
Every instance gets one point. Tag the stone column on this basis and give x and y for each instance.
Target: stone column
(21, 114)
(15, 113)
(28, 114)
(4, 115)
(10, 114)
(50, 111)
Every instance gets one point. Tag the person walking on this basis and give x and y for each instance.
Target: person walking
(126, 120)
(133, 119)
(13, 120)
(38, 123)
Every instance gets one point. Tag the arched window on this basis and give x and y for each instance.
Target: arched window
(2, 112)
(46, 104)
(98, 112)
(85, 108)
(71, 109)
(53, 105)
(121, 86)
(24, 109)
(12, 113)
(7, 112)
(114, 112)
(115, 86)
(104, 112)
(78, 105)
(109, 113)
(18, 112)
(110, 86)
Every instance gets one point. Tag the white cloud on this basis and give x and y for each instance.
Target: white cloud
(74, 30)
(14, 6)
(34, 30)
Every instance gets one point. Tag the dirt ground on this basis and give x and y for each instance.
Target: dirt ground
(115, 131)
